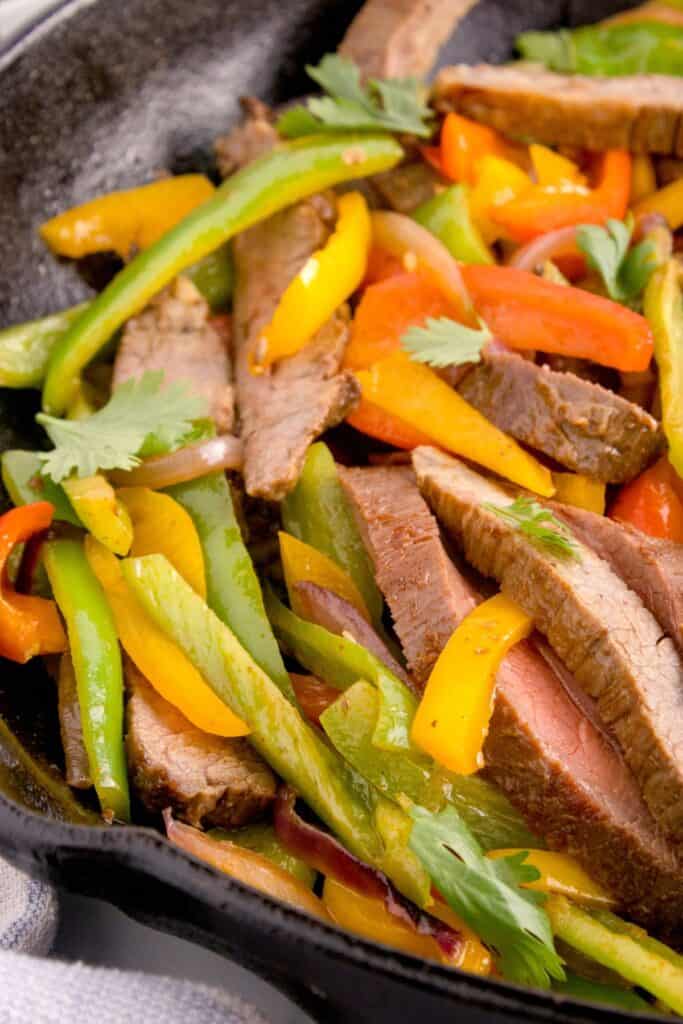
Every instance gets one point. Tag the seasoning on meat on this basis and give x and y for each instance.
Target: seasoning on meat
(641, 113)
(252, 137)
(652, 567)
(401, 38)
(282, 411)
(177, 334)
(583, 426)
(597, 626)
(207, 780)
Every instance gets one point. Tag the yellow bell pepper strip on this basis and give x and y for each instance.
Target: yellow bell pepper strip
(278, 179)
(100, 511)
(643, 177)
(419, 397)
(123, 221)
(28, 625)
(162, 525)
(369, 917)
(96, 660)
(453, 717)
(552, 170)
(563, 875)
(668, 201)
(499, 181)
(326, 280)
(663, 308)
(158, 659)
(579, 490)
(301, 562)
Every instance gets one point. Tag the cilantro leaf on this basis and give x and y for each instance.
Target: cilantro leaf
(445, 342)
(396, 105)
(624, 271)
(138, 419)
(487, 895)
(538, 524)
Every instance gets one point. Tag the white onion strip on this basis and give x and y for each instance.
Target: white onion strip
(223, 452)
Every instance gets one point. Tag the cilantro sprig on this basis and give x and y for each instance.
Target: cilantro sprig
(487, 895)
(139, 419)
(539, 524)
(625, 271)
(392, 105)
(444, 342)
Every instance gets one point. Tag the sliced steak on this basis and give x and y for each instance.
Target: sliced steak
(207, 780)
(76, 761)
(413, 571)
(641, 113)
(583, 426)
(283, 410)
(597, 626)
(401, 38)
(407, 186)
(177, 334)
(253, 137)
(653, 568)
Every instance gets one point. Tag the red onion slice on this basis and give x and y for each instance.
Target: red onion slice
(551, 246)
(324, 853)
(223, 452)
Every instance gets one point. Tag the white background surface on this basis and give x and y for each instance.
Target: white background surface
(98, 933)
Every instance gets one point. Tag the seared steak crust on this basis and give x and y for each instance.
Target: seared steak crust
(641, 113)
(207, 780)
(584, 426)
(598, 627)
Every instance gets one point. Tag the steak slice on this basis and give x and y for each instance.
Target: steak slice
(207, 780)
(413, 571)
(283, 410)
(641, 113)
(254, 136)
(597, 626)
(177, 334)
(401, 38)
(652, 567)
(580, 424)
(407, 186)
(76, 762)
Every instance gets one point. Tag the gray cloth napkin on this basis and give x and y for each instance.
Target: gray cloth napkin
(38, 990)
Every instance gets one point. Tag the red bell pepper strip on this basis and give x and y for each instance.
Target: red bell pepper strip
(28, 625)
(527, 312)
(652, 502)
(541, 209)
(375, 422)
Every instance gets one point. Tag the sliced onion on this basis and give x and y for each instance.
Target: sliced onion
(326, 854)
(224, 452)
(551, 246)
(419, 249)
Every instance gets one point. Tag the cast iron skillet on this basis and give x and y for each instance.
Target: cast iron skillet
(100, 95)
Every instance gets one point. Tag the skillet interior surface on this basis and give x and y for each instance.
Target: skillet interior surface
(100, 96)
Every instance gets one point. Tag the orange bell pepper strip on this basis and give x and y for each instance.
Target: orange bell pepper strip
(375, 422)
(653, 502)
(328, 278)
(367, 916)
(419, 397)
(121, 222)
(464, 143)
(303, 563)
(452, 719)
(386, 311)
(381, 265)
(563, 875)
(526, 312)
(28, 625)
(163, 664)
(643, 177)
(541, 209)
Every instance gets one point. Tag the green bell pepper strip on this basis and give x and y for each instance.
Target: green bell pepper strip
(318, 513)
(233, 589)
(630, 49)
(372, 827)
(214, 276)
(341, 662)
(24, 484)
(262, 839)
(282, 177)
(447, 216)
(350, 724)
(663, 308)
(97, 664)
(617, 949)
